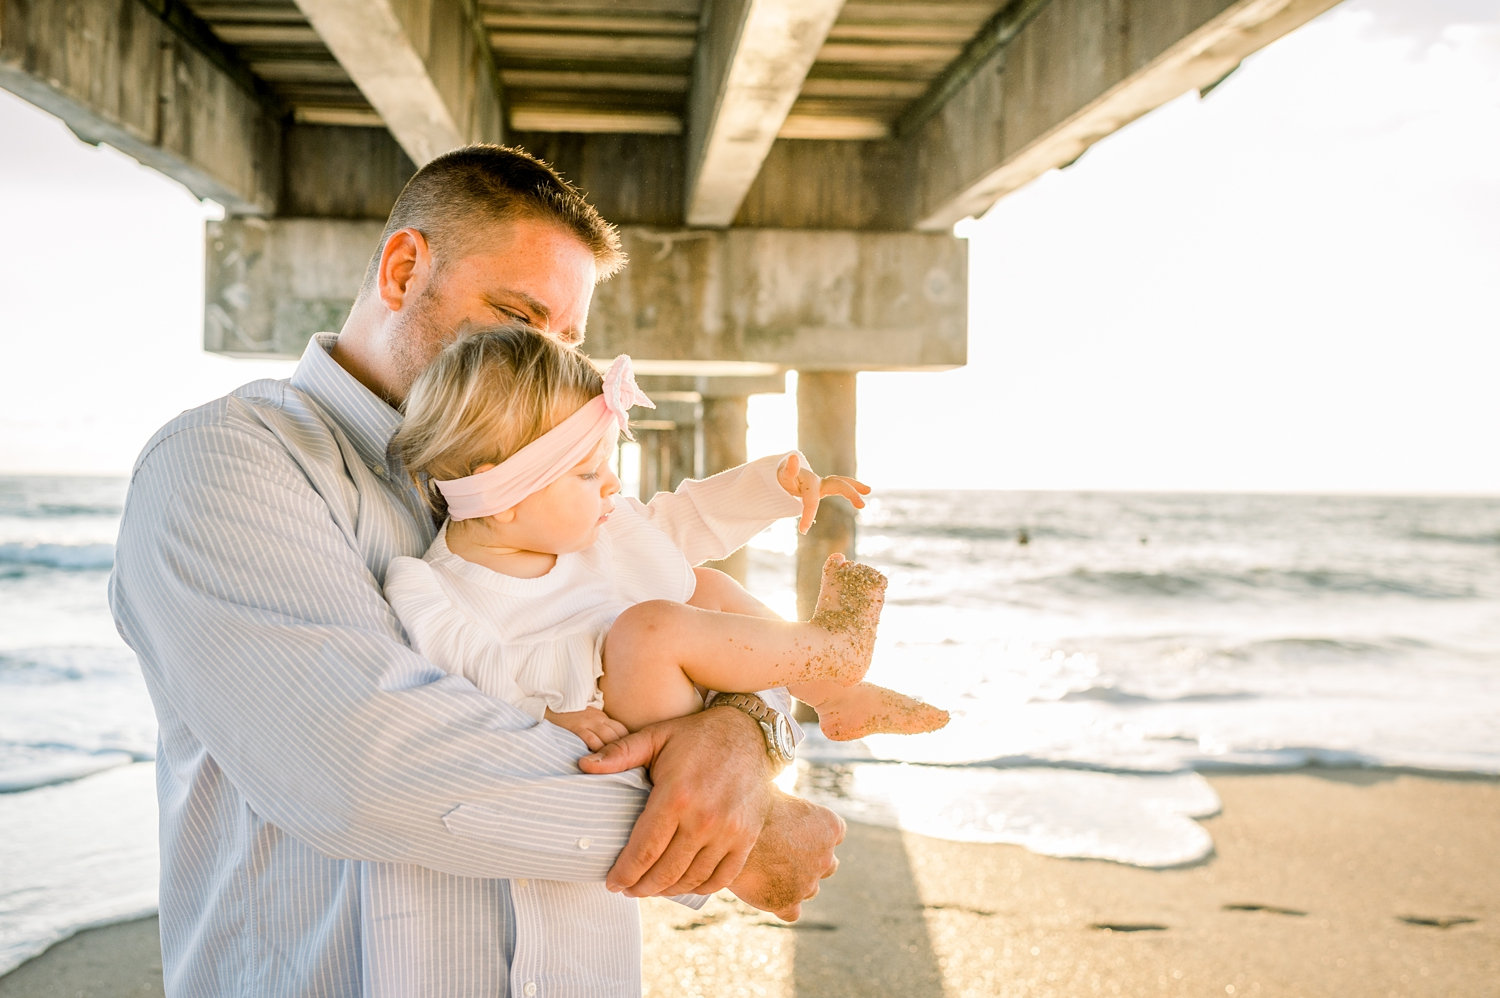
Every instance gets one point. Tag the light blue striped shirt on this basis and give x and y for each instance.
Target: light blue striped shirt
(301, 740)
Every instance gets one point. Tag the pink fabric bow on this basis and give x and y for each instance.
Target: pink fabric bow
(551, 455)
(621, 392)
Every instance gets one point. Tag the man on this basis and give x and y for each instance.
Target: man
(301, 739)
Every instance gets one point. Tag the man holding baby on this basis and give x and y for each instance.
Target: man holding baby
(301, 740)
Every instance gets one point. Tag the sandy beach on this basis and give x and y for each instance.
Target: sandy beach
(1324, 882)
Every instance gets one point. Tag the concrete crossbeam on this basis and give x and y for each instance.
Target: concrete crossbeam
(747, 301)
(272, 283)
(115, 72)
(691, 303)
(750, 65)
(1078, 71)
(424, 65)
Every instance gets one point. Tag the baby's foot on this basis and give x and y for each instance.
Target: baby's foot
(849, 604)
(867, 709)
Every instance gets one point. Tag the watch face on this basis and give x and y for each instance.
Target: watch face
(781, 737)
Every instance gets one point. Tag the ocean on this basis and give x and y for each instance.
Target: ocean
(1099, 652)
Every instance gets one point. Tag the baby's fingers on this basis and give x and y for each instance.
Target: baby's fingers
(850, 488)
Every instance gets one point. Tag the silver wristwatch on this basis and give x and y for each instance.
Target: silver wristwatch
(773, 724)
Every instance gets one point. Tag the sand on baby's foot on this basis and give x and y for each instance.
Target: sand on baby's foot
(867, 709)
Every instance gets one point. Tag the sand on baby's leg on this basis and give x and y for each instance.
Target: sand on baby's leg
(845, 711)
(657, 652)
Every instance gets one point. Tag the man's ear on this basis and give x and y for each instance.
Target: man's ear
(405, 265)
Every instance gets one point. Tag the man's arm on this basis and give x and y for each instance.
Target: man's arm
(261, 631)
(794, 840)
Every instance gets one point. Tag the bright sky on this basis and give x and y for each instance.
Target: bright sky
(1291, 285)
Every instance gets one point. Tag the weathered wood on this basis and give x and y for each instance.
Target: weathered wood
(116, 73)
(749, 299)
(563, 118)
(752, 58)
(1077, 72)
(424, 66)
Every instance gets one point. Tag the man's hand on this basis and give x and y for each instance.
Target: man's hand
(794, 852)
(804, 484)
(591, 724)
(711, 796)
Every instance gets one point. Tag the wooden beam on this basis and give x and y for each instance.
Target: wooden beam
(153, 87)
(426, 68)
(1076, 72)
(752, 58)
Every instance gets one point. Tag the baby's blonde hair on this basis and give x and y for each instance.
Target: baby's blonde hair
(489, 393)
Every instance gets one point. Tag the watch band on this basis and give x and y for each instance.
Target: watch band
(773, 725)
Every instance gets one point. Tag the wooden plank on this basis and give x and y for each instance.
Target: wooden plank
(877, 53)
(613, 24)
(683, 8)
(565, 118)
(299, 71)
(256, 33)
(1078, 72)
(837, 127)
(425, 67)
(508, 45)
(116, 73)
(887, 89)
(576, 80)
(353, 117)
(754, 57)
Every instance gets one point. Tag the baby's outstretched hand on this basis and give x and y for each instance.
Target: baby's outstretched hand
(595, 727)
(805, 484)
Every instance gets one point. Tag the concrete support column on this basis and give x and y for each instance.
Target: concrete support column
(654, 438)
(682, 440)
(725, 423)
(825, 435)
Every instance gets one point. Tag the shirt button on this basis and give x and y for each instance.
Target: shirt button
(379, 469)
(530, 988)
(585, 843)
(522, 883)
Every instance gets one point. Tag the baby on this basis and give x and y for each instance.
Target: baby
(547, 588)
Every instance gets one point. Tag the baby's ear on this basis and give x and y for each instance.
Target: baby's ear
(482, 468)
(504, 516)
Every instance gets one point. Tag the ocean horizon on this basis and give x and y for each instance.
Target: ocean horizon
(1099, 652)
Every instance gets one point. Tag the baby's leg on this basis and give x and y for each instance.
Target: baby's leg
(849, 712)
(657, 651)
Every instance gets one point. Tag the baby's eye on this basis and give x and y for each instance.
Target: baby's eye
(589, 476)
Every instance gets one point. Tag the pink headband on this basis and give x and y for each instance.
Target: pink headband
(551, 455)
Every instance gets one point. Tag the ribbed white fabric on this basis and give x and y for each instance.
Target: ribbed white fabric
(536, 642)
(300, 738)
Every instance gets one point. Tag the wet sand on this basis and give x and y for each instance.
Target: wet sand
(1324, 882)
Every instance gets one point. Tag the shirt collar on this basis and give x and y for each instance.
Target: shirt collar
(365, 417)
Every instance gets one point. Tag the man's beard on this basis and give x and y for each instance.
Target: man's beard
(416, 340)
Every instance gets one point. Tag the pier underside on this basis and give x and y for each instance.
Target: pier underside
(786, 173)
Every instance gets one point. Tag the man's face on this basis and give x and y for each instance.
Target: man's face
(530, 271)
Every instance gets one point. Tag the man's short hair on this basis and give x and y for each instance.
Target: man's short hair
(459, 195)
